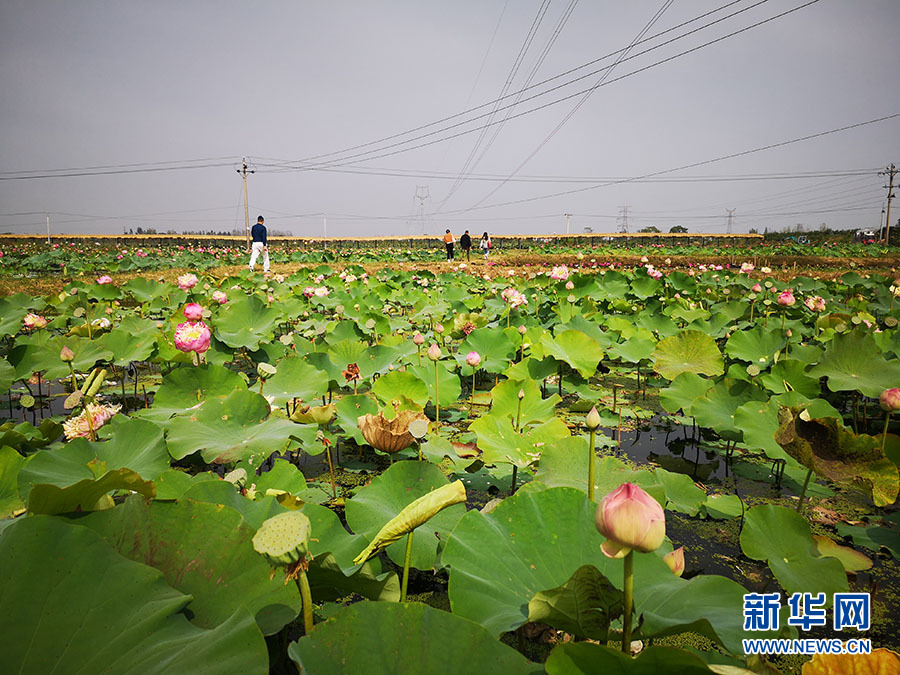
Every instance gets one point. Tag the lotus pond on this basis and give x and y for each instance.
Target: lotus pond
(474, 469)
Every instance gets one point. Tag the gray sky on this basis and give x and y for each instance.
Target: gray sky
(293, 85)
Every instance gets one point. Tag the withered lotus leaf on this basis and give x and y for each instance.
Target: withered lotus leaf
(389, 435)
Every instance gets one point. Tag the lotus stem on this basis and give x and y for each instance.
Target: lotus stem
(472, 401)
(887, 418)
(783, 317)
(72, 374)
(512, 487)
(809, 473)
(406, 558)
(629, 602)
(331, 471)
(437, 400)
(306, 596)
(591, 466)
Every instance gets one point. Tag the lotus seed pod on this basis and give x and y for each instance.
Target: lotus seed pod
(283, 539)
(434, 352)
(593, 419)
(238, 477)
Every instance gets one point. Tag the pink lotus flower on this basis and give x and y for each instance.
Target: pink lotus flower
(675, 561)
(786, 299)
(34, 321)
(438, 328)
(192, 336)
(66, 355)
(321, 292)
(434, 352)
(309, 291)
(559, 273)
(89, 420)
(187, 281)
(756, 288)
(418, 339)
(220, 297)
(193, 311)
(569, 285)
(889, 400)
(629, 518)
(473, 359)
(816, 303)
(105, 279)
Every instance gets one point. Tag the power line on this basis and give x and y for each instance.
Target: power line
(100, 171)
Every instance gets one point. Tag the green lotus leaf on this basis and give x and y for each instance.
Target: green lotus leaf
(873, 537)
(852, 362)
(54, 619)
(11, 317)
(351, 408)
(505, 402)
(230, 429)
(790, 375)
(448, 383)
(11, 462)
(585, 658)
(717, 408)
(184, 388)
(28, 358)
(7, 375)
(830, 449)
(143, 289)
(255, 512)
(564, 463)
(683, 391)
(134, 339)
(581, 352)
(246, 322)
(417, 638)
(532, 368)
(172, 484)
(493, 345)
(758, 423)
(396, 384)
(87, 494)
(388, 494)
(345, 352)
(756, 345)
(296, 379)
(853, 561)
(633, 350)
(682, 494)
(205, 551)
(688, 352)
(582, 606)
(500, 443)
(723, 507)
(782, 538)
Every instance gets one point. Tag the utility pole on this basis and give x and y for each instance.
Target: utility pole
(48, 227)
(568, 218)
(624, 218)
(243, 171)
(891, 171)
(730, 219)
(422, 193)
(325, 228)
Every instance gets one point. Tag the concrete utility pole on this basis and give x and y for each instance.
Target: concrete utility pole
(568, 218)
(243, 171)
(891, 171)
(48, 227)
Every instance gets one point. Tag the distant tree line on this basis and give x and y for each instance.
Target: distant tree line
(212, 233)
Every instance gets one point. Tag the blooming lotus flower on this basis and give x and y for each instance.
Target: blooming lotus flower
(756, 288)
(192, 336)
(34, 321)
(193, 311)
(187, 281)
(102, 323)
(786, 299)
(816, 303)
(473, 359)
(675, 561)
(629, 518)
(321, 292)
(90, 419)
(889, 400)
(105, 279)
(220, 297)
(559, 273)
(746, 267)
(434, 352)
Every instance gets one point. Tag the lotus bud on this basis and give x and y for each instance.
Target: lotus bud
(629, 518)
(522, 330)
(193, 311)
(569, 285)
(756, 288)
(592, 421)
(521, 394)
(419, 339)
(786, 299)
(66, 354)
(675, 561)
(434, 352)
(473, 359)
(789, 333)
(890, 400)
(438, 328)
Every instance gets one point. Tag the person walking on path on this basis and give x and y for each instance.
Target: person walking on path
(260, 245)
(485, 244)
(465, 243)
(448, 242)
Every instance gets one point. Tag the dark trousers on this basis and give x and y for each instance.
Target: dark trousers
(467, 250)
(449, 251)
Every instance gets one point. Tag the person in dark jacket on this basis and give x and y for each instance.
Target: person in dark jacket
(260, 245)
(465, 243)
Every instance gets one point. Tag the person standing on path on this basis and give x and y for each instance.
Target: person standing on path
(465, 243)
(260, 245)
(448, 242)
(485, 244)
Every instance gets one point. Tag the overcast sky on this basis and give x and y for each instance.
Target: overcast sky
(327, 101)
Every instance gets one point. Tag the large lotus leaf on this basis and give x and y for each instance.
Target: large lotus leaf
(790, 375)
(688, 352)
(873, 537)
(396, 385)
(782, 538)
(87, 609)
(135, 444)
(296, 379)
(632, 350)
(25, 437)
(682, 494)
(145, 290)
(245, 322)
(379, 358)
(230, 429)
(532, 368)
(11, 462)
(757, 345)
(494, 347)
(581, 352)
(583, 606)
(852, 362)
(7, 375)
(184, 388)
(345, 352)
(11, 317)
(45, 358)
(758, 422)
(132, 340)
(613, 472)
(585, 658)
(351, 408)
(255, 512)
(683, 391)
(830, 449)
(500, 443)
(204, 550)
(716, 409)
(448, 384)
(852, 560)
(172, 484)
(880, 661)
(505, 402)
(400, 639)
(87, 494)
(531, 542)
(564, 463)
(391, 492)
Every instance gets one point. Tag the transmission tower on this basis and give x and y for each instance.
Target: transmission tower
(623, 218)
(730, 219)
(422, 195)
